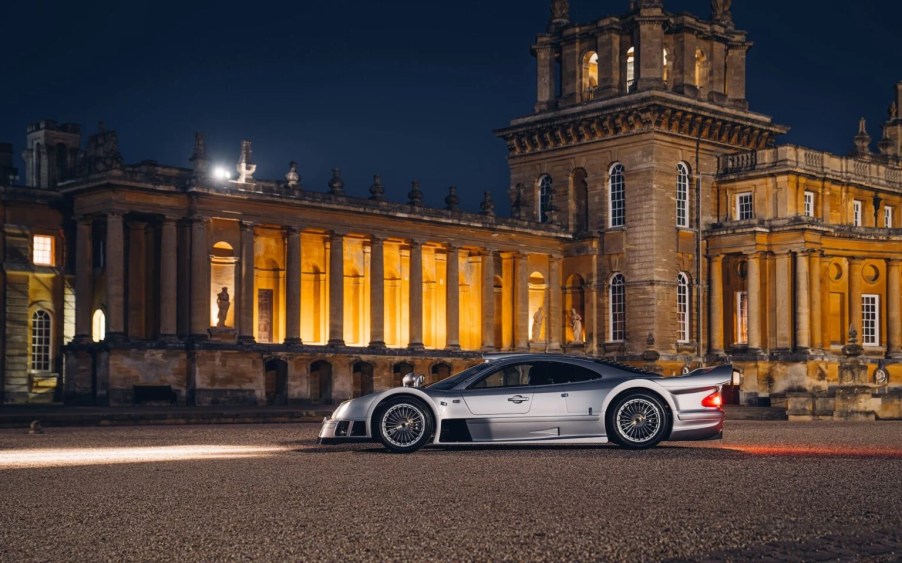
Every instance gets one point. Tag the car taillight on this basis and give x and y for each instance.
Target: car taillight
(714, 400)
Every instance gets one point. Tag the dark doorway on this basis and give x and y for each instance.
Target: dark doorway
(440, 371)
(363, 379)
(399, 371)
(321, 382)
(276, 381)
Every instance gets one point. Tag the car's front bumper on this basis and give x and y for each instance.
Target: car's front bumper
(336, 431)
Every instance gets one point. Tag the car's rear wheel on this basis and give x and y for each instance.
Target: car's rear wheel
(638, 421)
(403, 424)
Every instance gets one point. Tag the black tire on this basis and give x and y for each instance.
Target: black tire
(637, 421)
(403, 424)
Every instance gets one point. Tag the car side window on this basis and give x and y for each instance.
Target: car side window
(577, 374)
(547, 373)
(514, 375)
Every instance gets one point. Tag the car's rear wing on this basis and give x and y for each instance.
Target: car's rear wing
(704, 377)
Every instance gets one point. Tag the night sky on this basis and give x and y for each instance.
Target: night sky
(404, 89)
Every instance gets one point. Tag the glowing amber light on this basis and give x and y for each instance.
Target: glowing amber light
(714, 400)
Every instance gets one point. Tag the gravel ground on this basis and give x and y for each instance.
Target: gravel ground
(770, 490)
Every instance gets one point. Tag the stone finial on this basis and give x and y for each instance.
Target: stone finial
(893, 111)
(650, 341)
(336, 184)
(377, 191)
(487, 205)
(452, 201)
(560, 12)
(246, 166)
(292, 178)
(862, 139)
(720, 11)
(852, 349)
(853, 335)
(415, 195)
(886, 146)
(199, 156)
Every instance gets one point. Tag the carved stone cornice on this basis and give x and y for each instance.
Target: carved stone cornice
(589, 126)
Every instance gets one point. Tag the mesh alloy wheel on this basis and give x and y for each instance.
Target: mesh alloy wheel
(638, 421)
(404, 425)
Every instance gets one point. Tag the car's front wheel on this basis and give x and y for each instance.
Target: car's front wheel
(403, 424)
(638, 421)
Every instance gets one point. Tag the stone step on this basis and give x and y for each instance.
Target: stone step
(742, 412)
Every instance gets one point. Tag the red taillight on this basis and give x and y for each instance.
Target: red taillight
(714, 400)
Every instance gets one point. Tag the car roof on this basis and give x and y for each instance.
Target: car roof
(567, 357)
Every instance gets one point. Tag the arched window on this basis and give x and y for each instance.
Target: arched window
(701, 70)
(682, 198)
(630, 69)
(98, 326)
(616, 196)
(545, 191)
(617, 308)
(40, 341)
(590, 74)
(666, 65)
(683, 307)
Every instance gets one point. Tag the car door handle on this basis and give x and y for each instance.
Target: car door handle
(517, 399)
(565, 394)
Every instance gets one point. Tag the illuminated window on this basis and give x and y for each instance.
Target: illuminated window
(617, 196)
(856, 213)
(682, 209)
(590, 74)
(98, 326)
(888, 217)
(545, 190)
(40, 341)
(742, 317)
(630, 69)
(618, 308)
(701, 70)
(666, 66)
(744, 207)
(42, 250)
(683, 307)
(809, 204)
(870, 320)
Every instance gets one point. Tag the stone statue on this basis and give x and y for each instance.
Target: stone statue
(245, 166)
(537, 319)
(223, 302)
(720, 9)
(576, 323)
(560, 10)
(292, 178)
(893, 111)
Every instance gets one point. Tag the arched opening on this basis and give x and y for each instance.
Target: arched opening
(439, 371)
(579, 206)
(321, 382)
(399, 370)
(313, 303)
(617, 196)
(98, 325)
(617, 308)
(666, 70)
(362, 379)
(682, 196)
(701, 70)
(275, 377)
(590, 75)
(574, 308)
(630, 69)
(545, 190)
(498, 300)
(222, 285)
(537, 289)
(354, 306)
(41, 343)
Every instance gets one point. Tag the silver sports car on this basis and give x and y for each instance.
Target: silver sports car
(538, 399)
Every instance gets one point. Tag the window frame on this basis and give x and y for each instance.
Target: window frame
(41, 341)
(617, 215)
(888, 216)
(740, 197)
(47, 249)
(809, 204)
(741, 338)
(545, 191)
(682, 203)
(870, 327)
(683, 310)
(617, 319)
(856, 212)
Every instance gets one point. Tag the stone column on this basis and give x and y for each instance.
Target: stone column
(293, 288)
(246, 293)
(416, 296)
(716, 296)
(115, 276)
(544, 78)
(488, 300)
(855, 268)
(84, 283)
(168, 280)
(893, 313)
(336, 289)
(814, 272)
(802, 303)
(555, 314)
(783, 305)
(377, 293)
(754, 303)
(452, 299)
(521, 275)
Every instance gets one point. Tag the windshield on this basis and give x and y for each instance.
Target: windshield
(451, 382)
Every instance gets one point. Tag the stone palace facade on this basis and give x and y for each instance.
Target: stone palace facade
(654, 220)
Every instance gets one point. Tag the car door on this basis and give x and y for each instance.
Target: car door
(499, 404)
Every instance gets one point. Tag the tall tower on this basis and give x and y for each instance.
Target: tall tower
(632, 112)
(51, 153)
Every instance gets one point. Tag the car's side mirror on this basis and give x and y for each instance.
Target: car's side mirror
(413, 380)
